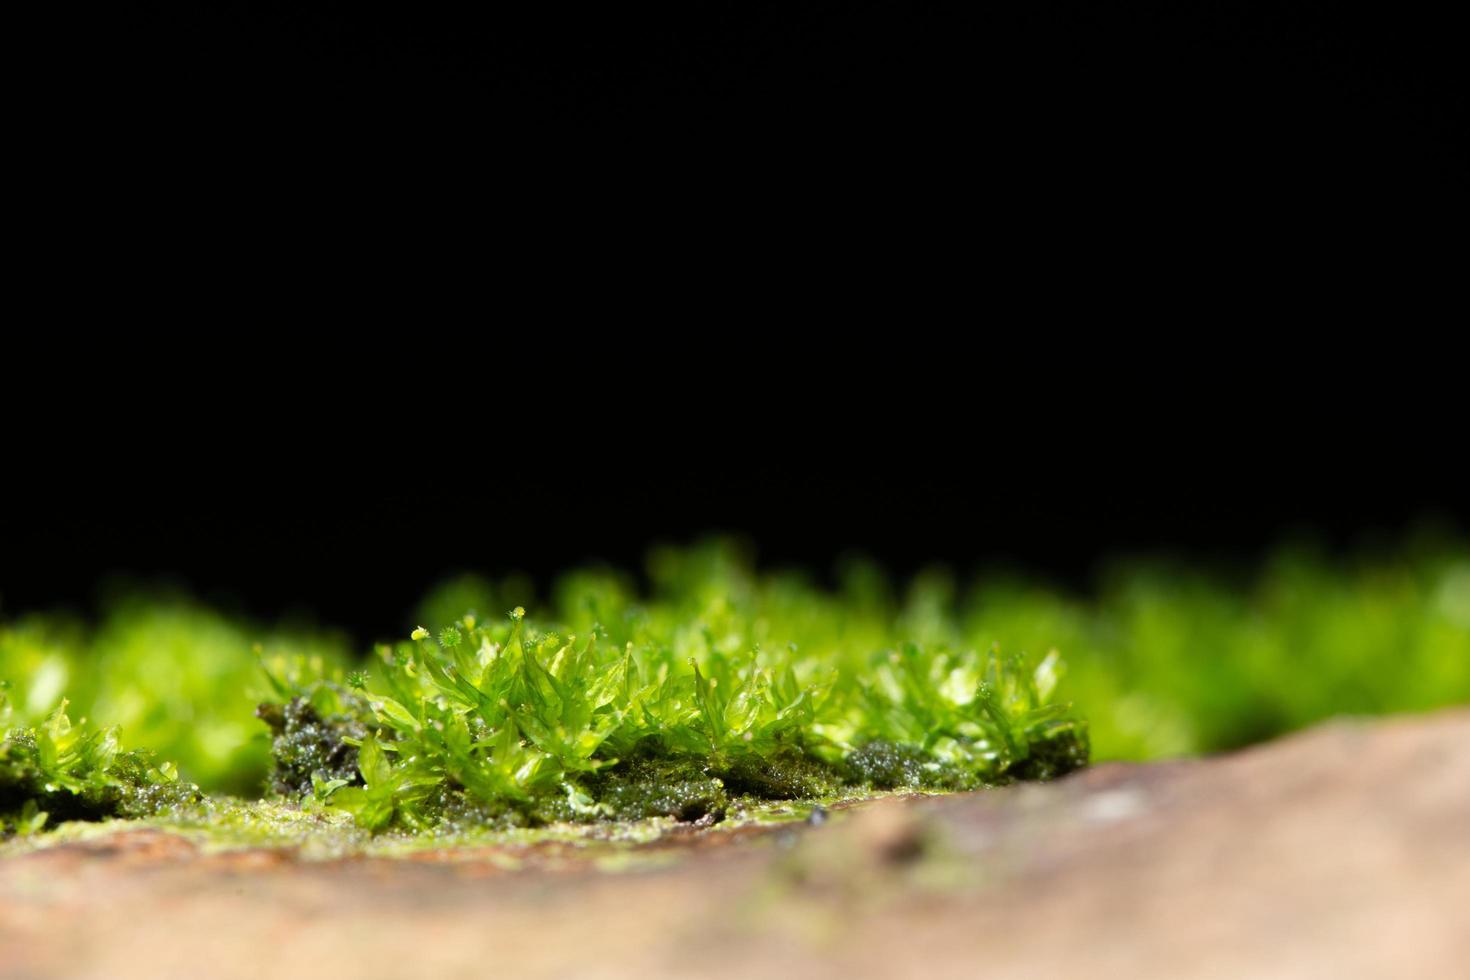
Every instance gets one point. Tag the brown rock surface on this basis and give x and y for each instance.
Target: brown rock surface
(1341, 852)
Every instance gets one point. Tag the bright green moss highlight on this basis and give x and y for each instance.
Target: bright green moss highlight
(1170, 659)
(1164, 658)
(170, 675)
(513, 723)
(58, 771)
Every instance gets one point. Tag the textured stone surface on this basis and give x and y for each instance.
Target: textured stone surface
(1341, 852)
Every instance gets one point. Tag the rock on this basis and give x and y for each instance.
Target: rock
(1340, 852)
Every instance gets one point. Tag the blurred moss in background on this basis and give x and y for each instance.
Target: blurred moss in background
(174, 676)
(1164, 658)
(1169, 660)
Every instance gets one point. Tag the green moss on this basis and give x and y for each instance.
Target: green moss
(883, 765)
(1167, 659)
(682, 709)
(786, 773)
(678, 788)
(313, 739)
(58, 772)
(1057, 750)
(172, 676)
(522, 723)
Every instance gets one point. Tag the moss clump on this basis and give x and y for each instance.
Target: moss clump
(25, 786)
(715, 692)
(521, 724)
(647, 787)
(1055, 751)
(883, 765)
(785, 774)
(57, 772)
(317, 737)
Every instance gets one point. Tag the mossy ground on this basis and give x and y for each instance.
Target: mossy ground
(714, 687)
(312, 833)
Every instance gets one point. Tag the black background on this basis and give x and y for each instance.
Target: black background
(1087, 142)
(355, 540)
(1262, 144)
(1356, 104)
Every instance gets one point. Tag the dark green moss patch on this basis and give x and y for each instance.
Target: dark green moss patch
(309, 737)
(785, 774)
(677, 788)
(1055, 751)
(883, 765)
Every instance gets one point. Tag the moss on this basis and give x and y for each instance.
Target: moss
(24, 781)
(717, 692)
(692, 789)
(542, 726)
(786, 774)
(141, 793)
(129, 787)
(883, 765)
(453, 811)
(304, 742)
(172, 675)
(1056, 752)
(680, 788)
